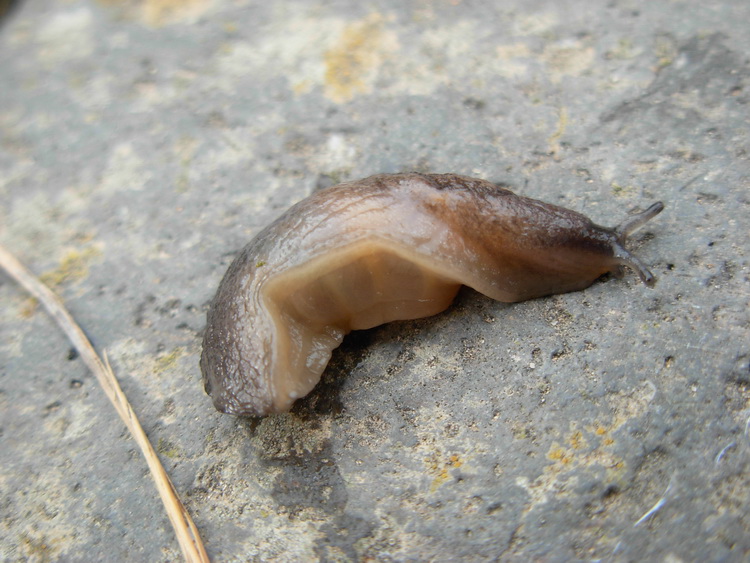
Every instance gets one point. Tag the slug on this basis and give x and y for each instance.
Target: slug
(389, 247)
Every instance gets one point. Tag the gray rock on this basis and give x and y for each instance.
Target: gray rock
(142, 144)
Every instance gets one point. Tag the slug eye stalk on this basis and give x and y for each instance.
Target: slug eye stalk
(627, 228)
(635, 222)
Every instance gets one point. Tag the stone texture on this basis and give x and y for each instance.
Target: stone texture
(143, 143)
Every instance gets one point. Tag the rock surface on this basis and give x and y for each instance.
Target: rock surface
(143, 143)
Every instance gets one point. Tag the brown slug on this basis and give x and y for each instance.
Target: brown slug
(389, 247)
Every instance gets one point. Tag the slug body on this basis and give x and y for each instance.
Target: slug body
(389, 247)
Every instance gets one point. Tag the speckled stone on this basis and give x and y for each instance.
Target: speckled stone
(143, 143)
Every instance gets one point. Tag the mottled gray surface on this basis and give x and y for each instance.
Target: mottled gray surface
(143, 143)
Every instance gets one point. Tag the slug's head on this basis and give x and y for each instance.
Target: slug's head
(625, 229)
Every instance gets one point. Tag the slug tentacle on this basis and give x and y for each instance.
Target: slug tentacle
(634, 263)
(625, 229)
(388, 247)
(635, 222)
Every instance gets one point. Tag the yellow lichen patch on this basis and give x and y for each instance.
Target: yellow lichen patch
(37, 548)
(577, 441)
(623, 50)
(73, 267)
(615, 471)
(562, 124)
(514, 51)
(302, 87)
(565, 463)
(512, 59)
(352, 63)
(440, 469)
(568, 60)
(166, 448)
(559, 454)
(161, 12)
(665, 51)
(602, 432)
(28, 308)
(568, 462)
(630, 404)
(622, 191)
(166, 361)
(184, 150)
